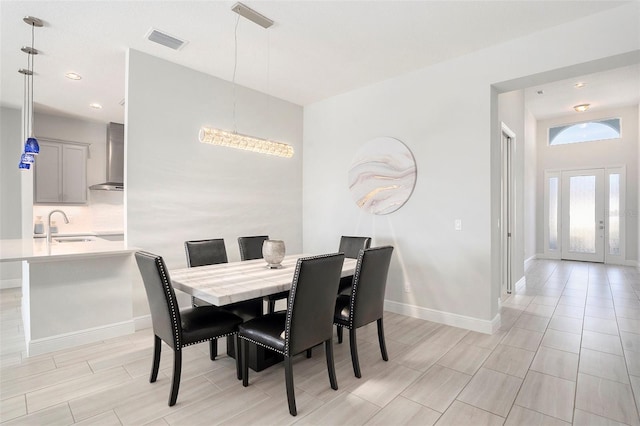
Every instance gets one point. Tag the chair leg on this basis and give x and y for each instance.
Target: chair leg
(288, 376)
(244, 352)
(354, 353)
(213, 349)
(383, 346)
(177, 370)
(331, 367)
(339, 331)
(309, 352)
(271, 306)
(157, 345)
(236, 344)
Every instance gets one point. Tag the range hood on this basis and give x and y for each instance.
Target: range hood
(115, 159)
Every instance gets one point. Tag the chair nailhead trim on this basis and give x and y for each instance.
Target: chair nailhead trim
(172, 306)
(210, 338)
(356, 281)
(262, 344)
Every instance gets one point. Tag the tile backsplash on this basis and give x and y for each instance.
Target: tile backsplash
(103, 213)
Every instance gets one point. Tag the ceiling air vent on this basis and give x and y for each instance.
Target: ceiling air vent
(165, 39)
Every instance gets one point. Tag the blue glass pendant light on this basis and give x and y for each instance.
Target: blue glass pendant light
(31, 146)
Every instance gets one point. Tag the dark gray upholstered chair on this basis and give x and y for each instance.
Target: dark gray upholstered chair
(365, 304)
(307, 322)
(250, 249)
(213, 252)
(351, 247)
(179, 328)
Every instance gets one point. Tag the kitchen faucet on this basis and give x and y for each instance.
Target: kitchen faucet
(66, 220)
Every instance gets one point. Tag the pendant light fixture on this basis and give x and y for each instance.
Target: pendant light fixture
(234, 139)
(31, 146)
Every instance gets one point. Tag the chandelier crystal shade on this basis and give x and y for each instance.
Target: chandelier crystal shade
(247, 143)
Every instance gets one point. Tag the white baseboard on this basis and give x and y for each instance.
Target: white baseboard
(142, 322)
(529, 260)
(10, 283)
(448, 318)
(76, 338)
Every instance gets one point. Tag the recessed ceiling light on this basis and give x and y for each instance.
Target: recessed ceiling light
(579, 85)
(73, 76)
(540, 92)
(95, 106)
(581, 107)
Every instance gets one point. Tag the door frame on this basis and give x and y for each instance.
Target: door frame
(617, 259)
(507, 208)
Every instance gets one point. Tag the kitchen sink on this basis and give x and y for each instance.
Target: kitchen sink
(73, 239)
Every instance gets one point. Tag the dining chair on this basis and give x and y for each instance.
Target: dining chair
(213, 252)
(307, 322)
(250, 249)
(177, 328)
(365, 304)
(351, 247)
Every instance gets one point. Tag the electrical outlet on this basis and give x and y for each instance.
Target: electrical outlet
(407, 287)
(458, 224)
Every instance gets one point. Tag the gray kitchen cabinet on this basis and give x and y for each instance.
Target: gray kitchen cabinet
(61, 173)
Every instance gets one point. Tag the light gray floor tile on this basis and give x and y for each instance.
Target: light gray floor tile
(548, 395)
(601, 342)
(437, 388)
(599, 301)
(105, 419)
(600, 325)
(556, 363)
(585, 418)
(562, 340)
(540, 310)
(483, 340)
(630, 341)
(532, 322)
(396, 378)
(629, 325)
(635, 385)
(402, 411)
(523, 339)
(606, 398)
(464, 358)
(491, 391)
(510, 360)
(58, 415)
(464, 414)
(604, 365)
(568, 324)
(628, 313)
(572, 301)
(600, 312)
(345, 409)
(569, 311)
(11, 408)
(523, 416)
(633, 362)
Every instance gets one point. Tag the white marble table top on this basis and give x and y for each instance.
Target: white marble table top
(227, 283)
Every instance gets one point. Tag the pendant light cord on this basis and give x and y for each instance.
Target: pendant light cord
(32, 55)
(235, 66)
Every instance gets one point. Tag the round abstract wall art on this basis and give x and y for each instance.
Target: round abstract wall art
(382, 175)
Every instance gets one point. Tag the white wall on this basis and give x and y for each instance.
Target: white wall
(10, 184)
(178, 189)
(595, 154)
(447, 115)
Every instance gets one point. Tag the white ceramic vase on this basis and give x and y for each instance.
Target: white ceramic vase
(273, 253)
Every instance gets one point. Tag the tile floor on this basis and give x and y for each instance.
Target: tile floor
(568, 352)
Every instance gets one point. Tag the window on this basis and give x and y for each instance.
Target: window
(585, 132)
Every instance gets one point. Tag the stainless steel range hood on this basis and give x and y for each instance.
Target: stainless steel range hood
(115, 159)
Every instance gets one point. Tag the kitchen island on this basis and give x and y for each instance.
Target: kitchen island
(73, 292)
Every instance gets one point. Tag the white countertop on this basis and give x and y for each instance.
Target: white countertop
(37, 249)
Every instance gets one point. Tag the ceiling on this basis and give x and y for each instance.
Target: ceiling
(315, 49)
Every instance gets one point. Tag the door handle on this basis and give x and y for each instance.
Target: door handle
(601, 227)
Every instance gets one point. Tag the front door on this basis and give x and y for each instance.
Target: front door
(583, 218)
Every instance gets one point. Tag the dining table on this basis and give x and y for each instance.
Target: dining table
(228, 283)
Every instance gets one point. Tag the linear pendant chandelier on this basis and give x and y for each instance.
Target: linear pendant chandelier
(234, 139)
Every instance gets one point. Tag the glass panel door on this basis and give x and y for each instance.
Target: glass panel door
(583, 215)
